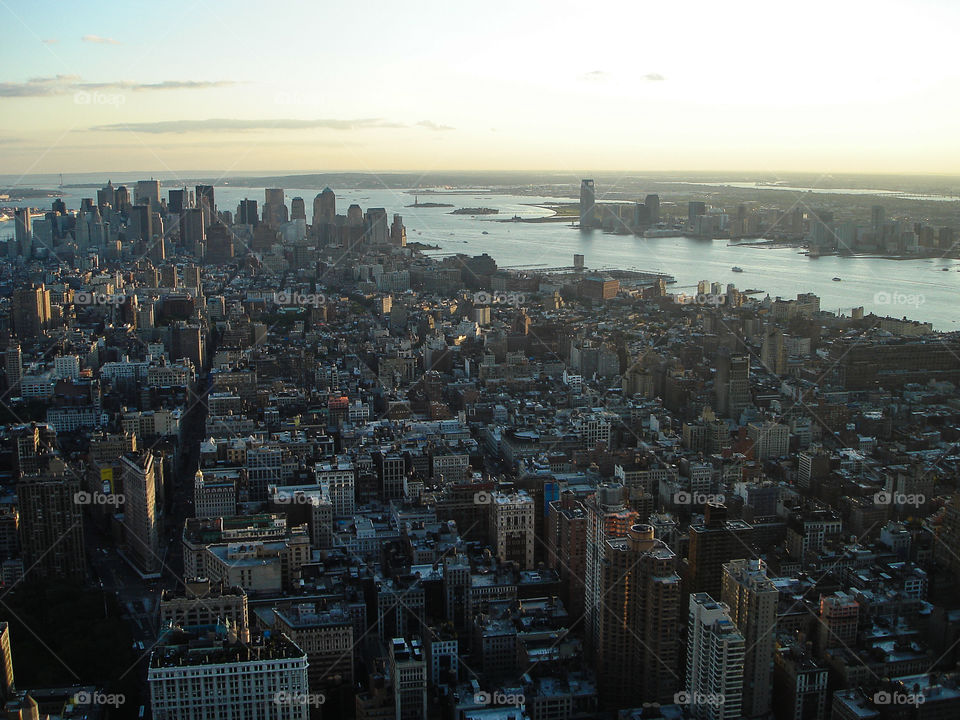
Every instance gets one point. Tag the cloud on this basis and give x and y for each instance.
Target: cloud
(431, 125)
(97, 39)
(69, 84)
(653, 77)
(595, 76)
(234, 125)
(49, 41)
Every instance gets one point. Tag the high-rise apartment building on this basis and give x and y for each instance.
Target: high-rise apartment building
(637, 650)
(715, 656)
(752, 600)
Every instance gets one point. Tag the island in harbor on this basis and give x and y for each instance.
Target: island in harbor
(475, 211)
(418, 204)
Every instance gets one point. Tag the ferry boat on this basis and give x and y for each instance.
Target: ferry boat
(836, 279)
(736, 268)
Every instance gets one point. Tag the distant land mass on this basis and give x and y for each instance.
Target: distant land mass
(429, 205)
(475, 211)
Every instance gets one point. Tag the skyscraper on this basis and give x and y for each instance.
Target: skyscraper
(177, 201)
(206, 201)
(731, 384)
(247, 213)
(140, 477)
(588, 204)
(639, 616)
(147, 192)
(376, 229)
(653, 208)
(297, 209)
(274, 207)
(107, 195)
(325, 207)
(715, 656)
(6, 664)
(30, 310)
(51, 523)
(752, 600)
(23, 231)
(607, 518)
(512, 528)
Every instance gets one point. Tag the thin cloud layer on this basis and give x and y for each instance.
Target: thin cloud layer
(99, 40)
(68, 84)
(654, 77)
(235, 125)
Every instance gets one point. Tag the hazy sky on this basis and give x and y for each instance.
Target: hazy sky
(638, 85)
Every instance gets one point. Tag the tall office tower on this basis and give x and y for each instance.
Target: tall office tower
(588, 204)
(512, 527)
(274, 207)
(607, 518)
(122, 197)
(877, 218)
(695, 209)
(398, 233)
(220, 247)
(210, 673)
(731, 384)
(192, 229)
(188, 341)
(51, 523)
(639, 616)
(23, 231)
(107, 195)
(204, 197)
(6, 664)
(408, 675)
(140, 477)
(140, 223)
(653, 208)
(147, 192)
(247, 213)
(30, 311)
(325, 207)
(13, 368)
(376, 228)
(715, 656)
(716, 541)
(298, 210)
(355, 216)
(177, 201)
(752, 599)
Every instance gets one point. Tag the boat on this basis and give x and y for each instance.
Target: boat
(486, 233)
(836, 279)
(946, 269)
(736, 268)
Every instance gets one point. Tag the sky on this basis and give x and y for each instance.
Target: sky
(838, 86)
